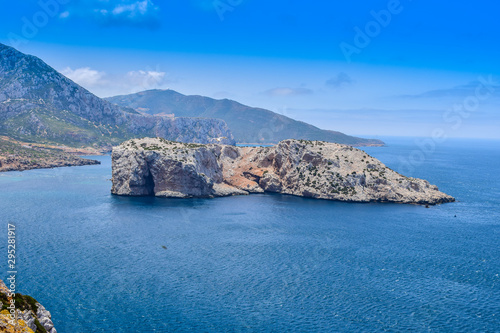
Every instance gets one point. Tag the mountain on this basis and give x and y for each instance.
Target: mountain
(248, 124)
(38, 104)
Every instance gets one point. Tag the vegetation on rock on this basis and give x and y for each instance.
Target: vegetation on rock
(16, 156)
(299, 167)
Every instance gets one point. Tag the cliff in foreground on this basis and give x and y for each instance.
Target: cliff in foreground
(32, 317)
(316, 169)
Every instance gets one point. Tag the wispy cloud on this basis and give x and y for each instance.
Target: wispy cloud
(64, 15)
(146, 79)
(104, 84)
(85, 76)
(396, 122)
(455, 92)
(339, 81)
(285, 91)
(141, 13)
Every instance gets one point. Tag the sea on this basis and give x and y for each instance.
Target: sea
(262, 262)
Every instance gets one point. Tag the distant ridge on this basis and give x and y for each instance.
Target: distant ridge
(38, 104)
(248, 124)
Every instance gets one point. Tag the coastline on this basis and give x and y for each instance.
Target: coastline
(15, 156)
(49, 165)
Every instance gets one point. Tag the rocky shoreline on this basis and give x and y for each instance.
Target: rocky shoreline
(315, 169)
(14, 164)
(32, 317)
(20, 157)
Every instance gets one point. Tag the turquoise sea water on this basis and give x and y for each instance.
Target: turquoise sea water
(262, 262)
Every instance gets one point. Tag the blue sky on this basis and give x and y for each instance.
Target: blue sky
(362, 67)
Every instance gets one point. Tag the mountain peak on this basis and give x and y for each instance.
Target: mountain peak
(6, 47)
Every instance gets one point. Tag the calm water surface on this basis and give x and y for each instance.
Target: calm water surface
(262, 262)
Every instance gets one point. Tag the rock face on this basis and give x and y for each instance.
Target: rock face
(38, 104)
(313, 169)
(32, 317)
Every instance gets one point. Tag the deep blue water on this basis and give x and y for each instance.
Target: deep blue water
(262, 262)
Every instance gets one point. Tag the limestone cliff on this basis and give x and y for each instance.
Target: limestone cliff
(313, 169)
(32, 317)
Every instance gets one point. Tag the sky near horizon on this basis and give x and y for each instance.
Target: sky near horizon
(362, 67)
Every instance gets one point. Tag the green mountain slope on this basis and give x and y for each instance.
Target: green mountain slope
(248, 124)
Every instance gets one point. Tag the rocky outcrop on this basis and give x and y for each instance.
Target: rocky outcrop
(38, 104)
(15, 156)
(32, 317)
(313, 169)
(16, 163)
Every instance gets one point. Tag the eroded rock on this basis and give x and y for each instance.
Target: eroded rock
(313, 169)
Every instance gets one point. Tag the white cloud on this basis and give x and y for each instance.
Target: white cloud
(142, 13)
(134, 9)
(85, 76)
(285, 91)
(105, 84)
(146, 79)
(64, 15)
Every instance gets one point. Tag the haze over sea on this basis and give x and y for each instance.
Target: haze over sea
(262, 262)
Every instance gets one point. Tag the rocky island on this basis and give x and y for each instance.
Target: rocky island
(315, 169)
